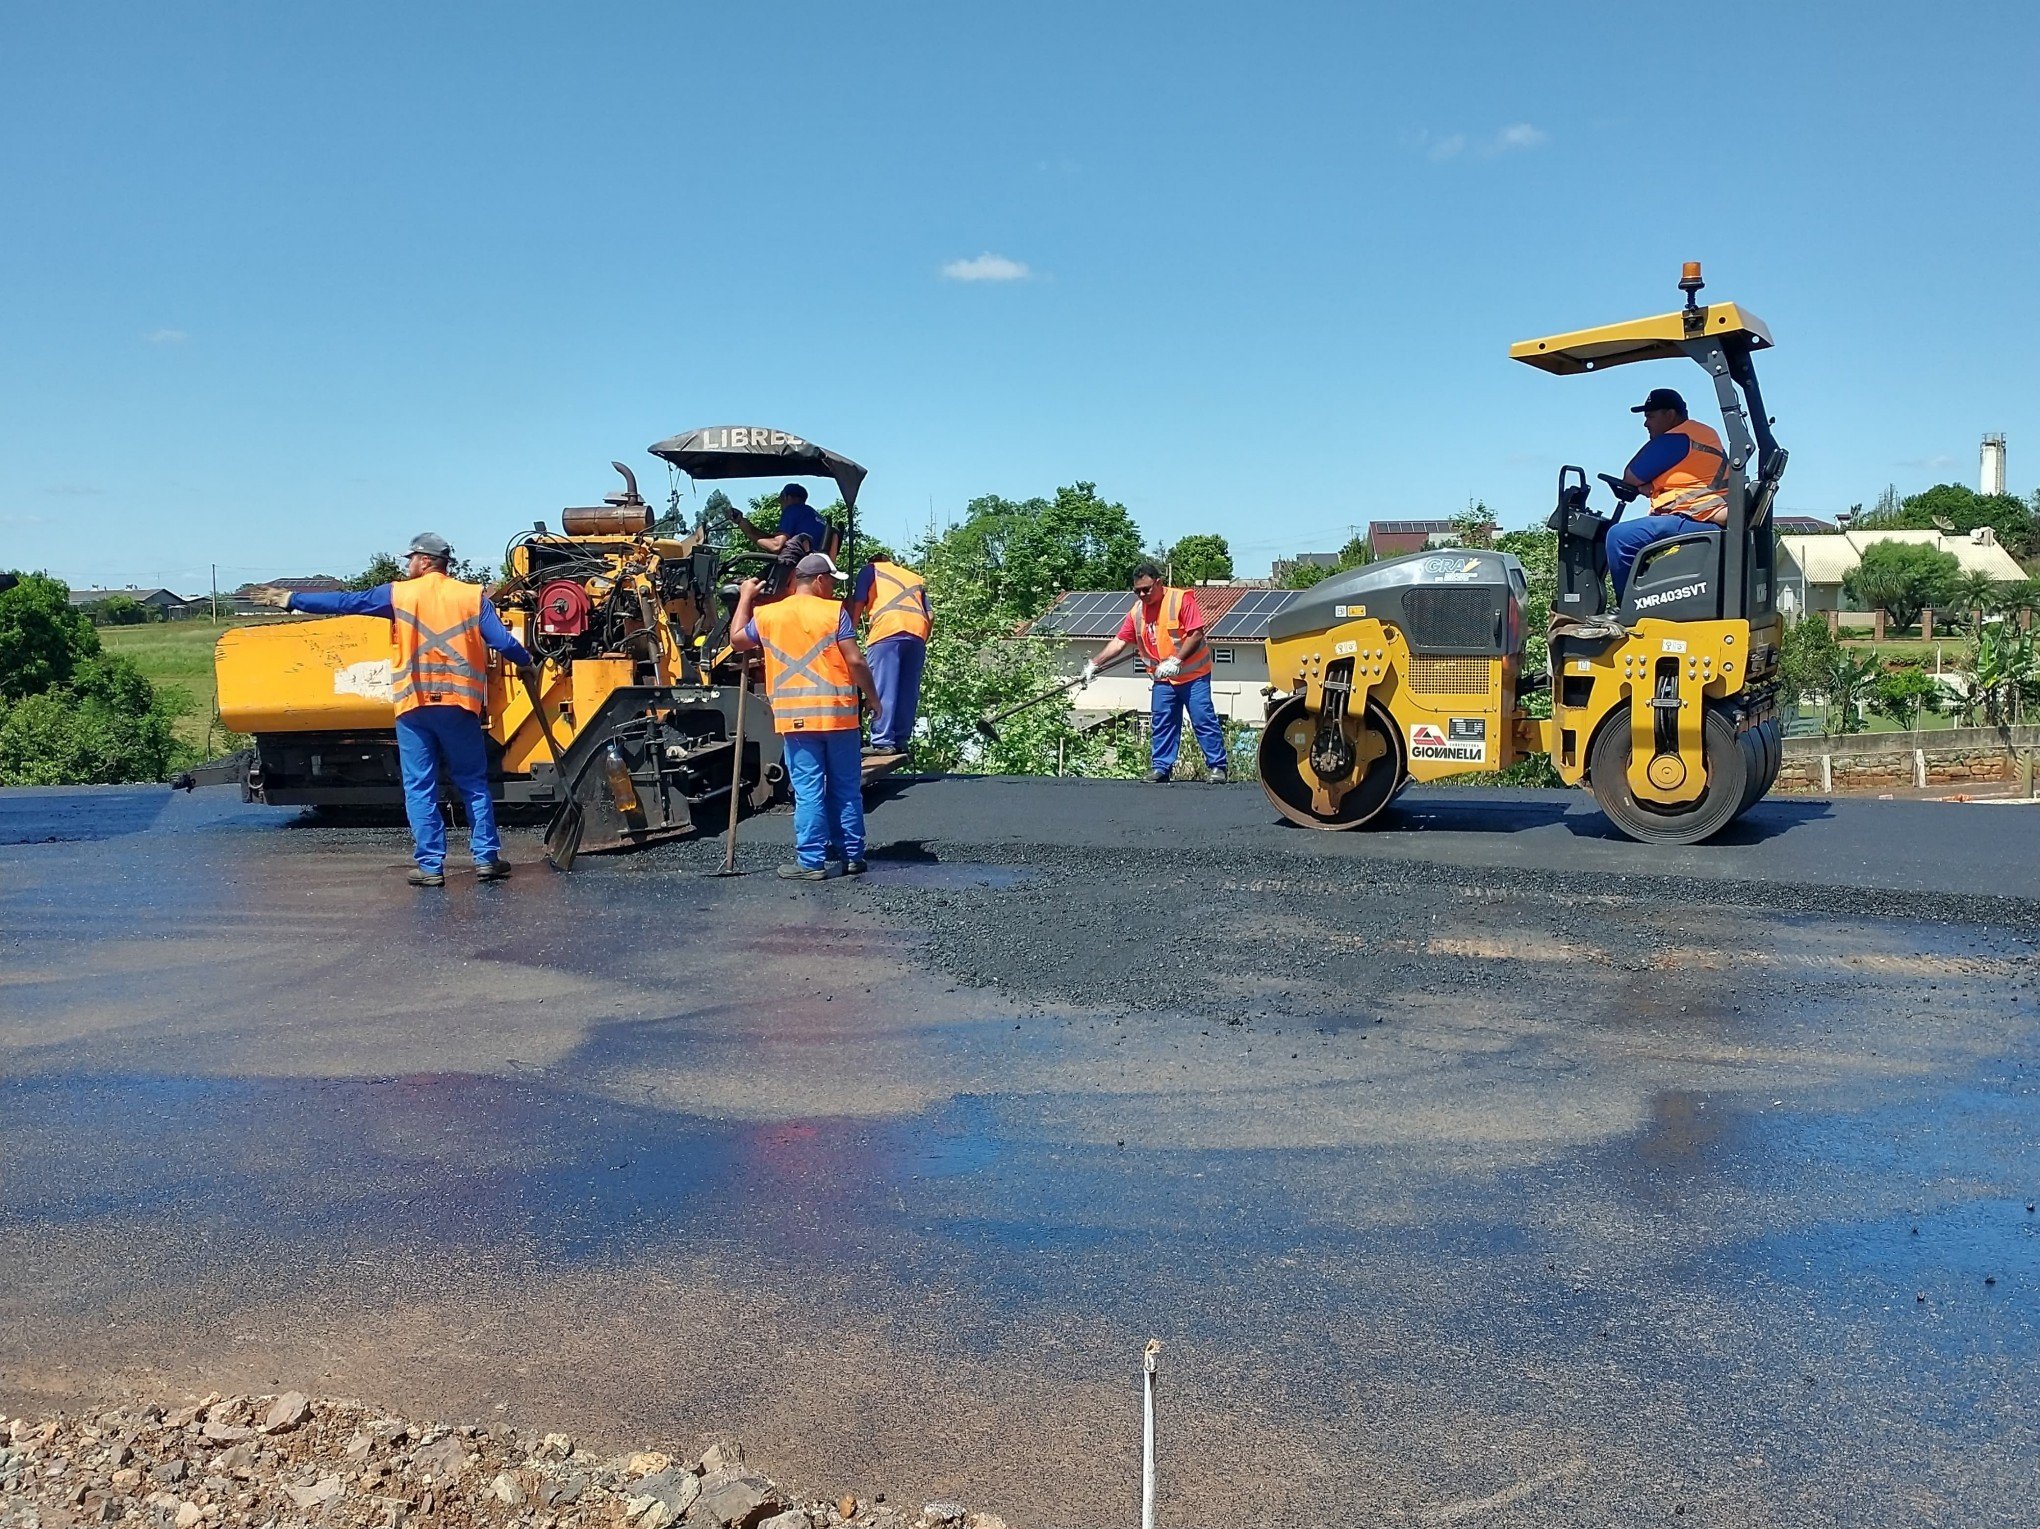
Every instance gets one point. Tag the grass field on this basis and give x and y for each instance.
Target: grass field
(179, 656)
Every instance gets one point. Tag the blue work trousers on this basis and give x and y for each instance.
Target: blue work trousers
(1628, 538)
(828, 795)
(1166, 705)
(429, 737)
(896, 665)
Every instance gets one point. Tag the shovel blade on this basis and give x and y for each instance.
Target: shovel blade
(563, 837)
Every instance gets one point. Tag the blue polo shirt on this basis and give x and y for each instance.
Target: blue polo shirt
(1659, 456)
(804, 520)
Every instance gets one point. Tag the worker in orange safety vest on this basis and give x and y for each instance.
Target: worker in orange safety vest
(895, 600)
(814, 672)
(443, 630)
(1168, 628)
(1682, 469)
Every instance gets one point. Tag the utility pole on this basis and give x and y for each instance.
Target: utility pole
(216, 591)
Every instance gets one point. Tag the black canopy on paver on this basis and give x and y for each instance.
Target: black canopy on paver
(757, 451)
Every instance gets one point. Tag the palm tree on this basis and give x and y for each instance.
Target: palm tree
(1975, 592)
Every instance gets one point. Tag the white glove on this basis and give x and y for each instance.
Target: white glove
(269, 594)
(1090, 670)
(1168, 668)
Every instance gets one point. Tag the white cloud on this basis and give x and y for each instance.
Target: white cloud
(166, 337)
(986, 267)
(1518, 137)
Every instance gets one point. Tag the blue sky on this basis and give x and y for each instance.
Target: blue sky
(282, 284)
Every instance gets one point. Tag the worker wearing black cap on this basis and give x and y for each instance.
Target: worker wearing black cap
(1682, 469)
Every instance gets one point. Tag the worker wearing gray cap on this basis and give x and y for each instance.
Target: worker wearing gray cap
(443, 630)
(814, 671)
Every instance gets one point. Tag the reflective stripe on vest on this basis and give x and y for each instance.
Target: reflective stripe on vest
(1694, 486)
(441, 657)
(806, 675)
(899, 603)
(1160, 639)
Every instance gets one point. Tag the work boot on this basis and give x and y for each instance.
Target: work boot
(425, 878)
(798, 872)
(491, 870)
(1160, 777)
(855, 867)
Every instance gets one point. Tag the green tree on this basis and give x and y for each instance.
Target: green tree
(1473, 526)
(383, 568)
(42, 639)
(1196, 559)
(1851, 682)
(1807, 661)
(1355, 554)
(1903, 692)
(120, 610)
(2003, 672)
(1974, 592)
(979, 662)
(1903, 579)
(1034, 550)
(1957, 506)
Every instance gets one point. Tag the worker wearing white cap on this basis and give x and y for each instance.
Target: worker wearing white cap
(814, 672)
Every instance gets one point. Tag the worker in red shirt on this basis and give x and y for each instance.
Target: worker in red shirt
(1168, 628)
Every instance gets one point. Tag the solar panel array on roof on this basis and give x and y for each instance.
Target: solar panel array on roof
(1248, 620)
(1087, 613)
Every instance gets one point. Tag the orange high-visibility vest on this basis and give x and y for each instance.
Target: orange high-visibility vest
(898, 603)
(441, 658)
(1163, 637)
(1694, 487)
(806, 674)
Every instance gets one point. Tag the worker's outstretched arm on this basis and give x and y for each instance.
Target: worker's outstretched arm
(756, 537)
(1107, 656)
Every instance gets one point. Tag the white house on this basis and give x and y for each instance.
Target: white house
(1810, 568)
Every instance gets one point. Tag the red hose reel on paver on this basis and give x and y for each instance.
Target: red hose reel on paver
(563, 609)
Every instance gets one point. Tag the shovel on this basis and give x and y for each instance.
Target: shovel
(729, 859)
(988, 724)
(563, 833)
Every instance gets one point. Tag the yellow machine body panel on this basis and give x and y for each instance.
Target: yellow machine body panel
(1689, 662)
(330, 674)
(1653, 339)
(1451, 715)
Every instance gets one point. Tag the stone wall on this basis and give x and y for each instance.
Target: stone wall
(1873, 762)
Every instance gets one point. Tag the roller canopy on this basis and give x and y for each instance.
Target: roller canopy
(1661, 338)
(756, 451)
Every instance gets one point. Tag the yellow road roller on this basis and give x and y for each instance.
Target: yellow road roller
(1665, 706)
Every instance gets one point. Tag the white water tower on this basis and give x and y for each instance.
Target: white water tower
(1991, 477)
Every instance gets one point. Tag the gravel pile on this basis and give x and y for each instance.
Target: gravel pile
(291, 1461)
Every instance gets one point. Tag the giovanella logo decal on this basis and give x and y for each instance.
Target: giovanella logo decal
(1463, 740)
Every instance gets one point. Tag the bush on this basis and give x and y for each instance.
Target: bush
(120, 610)
(71, 714)
(107, 726)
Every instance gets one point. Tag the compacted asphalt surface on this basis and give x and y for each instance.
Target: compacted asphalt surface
(1484, 1168)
